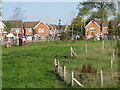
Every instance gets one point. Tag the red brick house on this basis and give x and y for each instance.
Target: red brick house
(41, 29)
(16, 27)
(93, 27)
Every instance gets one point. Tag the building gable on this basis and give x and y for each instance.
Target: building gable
(90, 23)
(40, 23)
(2, 25)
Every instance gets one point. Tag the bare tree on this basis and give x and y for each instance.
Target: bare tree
(18, 16)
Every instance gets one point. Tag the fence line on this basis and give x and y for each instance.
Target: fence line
(62, 72)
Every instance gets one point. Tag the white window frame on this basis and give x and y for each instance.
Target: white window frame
(41, 30)
(92, 29)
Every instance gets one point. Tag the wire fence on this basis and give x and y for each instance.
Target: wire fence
(103, 72)
(87, 78)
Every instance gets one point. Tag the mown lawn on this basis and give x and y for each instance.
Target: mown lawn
(31, 66)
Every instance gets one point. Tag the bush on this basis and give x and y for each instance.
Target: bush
(64, 36)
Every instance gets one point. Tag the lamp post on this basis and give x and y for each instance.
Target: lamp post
(59, 26)
(72, 32)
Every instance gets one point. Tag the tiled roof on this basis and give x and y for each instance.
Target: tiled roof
(14, 23)
(114, 22)
(105, 24)
(29, 24)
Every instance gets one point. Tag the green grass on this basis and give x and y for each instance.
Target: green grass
(31, 66)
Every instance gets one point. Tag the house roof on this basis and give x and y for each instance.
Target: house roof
(105, 24)
(14, 23)
(10, 35)
(114, 22)
(91, 22)
(29, 24)
(41, 22)
(54, 25)
(33, 24)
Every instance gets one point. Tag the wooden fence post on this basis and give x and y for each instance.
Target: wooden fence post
(111, 62)
(103, 44)
(77, 82)
(58, 67)
(72, 81)
(55, 64)
(86, 48)
(71, 52)
(61, 71)
(64, 72)
(101, 78)
(113, 55)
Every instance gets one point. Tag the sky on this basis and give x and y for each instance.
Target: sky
(49, 12)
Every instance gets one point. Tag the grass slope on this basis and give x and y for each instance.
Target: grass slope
(31, 66)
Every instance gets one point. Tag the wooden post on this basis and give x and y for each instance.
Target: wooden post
(101, 78)
(78, 82)
(86, 48)
(55, 64)
(72, 82)
(113, 55)
(64, 72)
(111, 61)
(61, 71)
(71, 52)
(103, 44)
(58, 67)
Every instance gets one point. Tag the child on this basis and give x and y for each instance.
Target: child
(23, 41)
(8, 43)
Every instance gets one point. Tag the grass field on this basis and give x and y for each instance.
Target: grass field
(31, 66)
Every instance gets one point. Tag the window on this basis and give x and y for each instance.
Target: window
(29, 30)
(41, 30)
(92, 29)
(43, 37)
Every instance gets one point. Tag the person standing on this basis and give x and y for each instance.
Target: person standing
(20, 39)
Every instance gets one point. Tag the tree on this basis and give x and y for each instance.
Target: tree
(64, 36)
(88, 20)
(110, 28)
(77, 23)
(18, 16)
(117, 17)
(97, 10)
(33, 32)
(7, 27)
